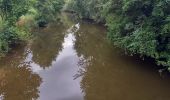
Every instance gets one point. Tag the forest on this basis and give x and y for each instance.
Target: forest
(138, 26)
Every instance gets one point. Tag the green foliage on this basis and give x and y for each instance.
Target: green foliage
(48, 9)
(11, 35)
(12, 10)
(142, 26)
(92, 9)
(15, 13)
(138, 26)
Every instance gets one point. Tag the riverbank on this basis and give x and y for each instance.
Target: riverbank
(138, 29)
(63, 59)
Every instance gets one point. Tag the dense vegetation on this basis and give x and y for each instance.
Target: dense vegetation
(9, 14)
(13, 14)
(138, 26)
(48, 10)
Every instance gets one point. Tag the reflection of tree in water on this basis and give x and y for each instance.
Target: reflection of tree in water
(90, 43)
(90, 46)
(108, 75)
(18, 82)
(90, 40)
(48, 44)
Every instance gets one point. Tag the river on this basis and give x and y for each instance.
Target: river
(74, 61)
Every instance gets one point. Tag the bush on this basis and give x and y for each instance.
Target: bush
(142, 26)
(11, 35)
(48, 10)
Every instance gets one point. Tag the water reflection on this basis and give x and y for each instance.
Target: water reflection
(27, 84)
(29, 64)
(109, 75)
(75, 62)
(47, 44)
(59, 83)
(18, 82)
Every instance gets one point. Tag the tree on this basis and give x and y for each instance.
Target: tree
(48, 9)
(11, 11)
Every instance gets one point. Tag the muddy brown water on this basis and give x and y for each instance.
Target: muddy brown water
(74, 61)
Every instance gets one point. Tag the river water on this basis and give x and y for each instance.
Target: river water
(74, 61)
